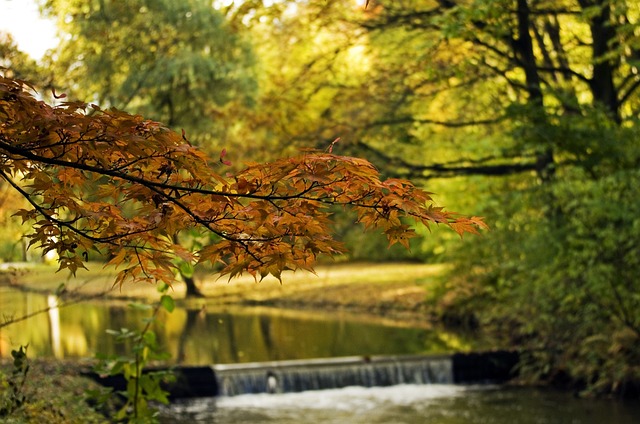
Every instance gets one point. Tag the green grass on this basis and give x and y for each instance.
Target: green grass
(367, 279)
(382, 289)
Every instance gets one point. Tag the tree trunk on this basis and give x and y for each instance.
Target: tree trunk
(192, 288)
(189, 281)
(603, 33)
(523, 48)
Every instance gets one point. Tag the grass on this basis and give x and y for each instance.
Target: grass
(367, 287)
(343, 284)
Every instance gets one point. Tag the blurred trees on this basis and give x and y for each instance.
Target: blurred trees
(525, 111)
(469, 79)
(543, 95)
(178, 62)
(17, 63)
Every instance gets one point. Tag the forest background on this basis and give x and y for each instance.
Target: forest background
(522, 111)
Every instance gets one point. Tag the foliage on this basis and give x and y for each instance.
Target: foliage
(13, 396)
(566, 294)
(53, 394)
(125, 186)
(16, 63)
(590, 280)
(313, 74)
(173, 61)
(142, 385)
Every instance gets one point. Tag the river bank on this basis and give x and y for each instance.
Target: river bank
(392, 290)
(397, 292)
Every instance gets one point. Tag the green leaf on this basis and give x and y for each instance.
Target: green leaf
(167, 303)
(140, 306)
(186, 269)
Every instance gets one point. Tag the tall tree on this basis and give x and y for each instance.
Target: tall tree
(541, 61)
(174, 61)
(440, 73)
(542, 94)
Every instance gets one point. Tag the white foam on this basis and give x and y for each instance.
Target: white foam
(345, 399)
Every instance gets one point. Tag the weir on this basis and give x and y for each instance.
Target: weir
(333, 373)
(319, 374)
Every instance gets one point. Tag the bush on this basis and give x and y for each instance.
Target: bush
(559, 280)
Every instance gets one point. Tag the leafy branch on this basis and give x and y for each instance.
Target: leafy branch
(125, 186)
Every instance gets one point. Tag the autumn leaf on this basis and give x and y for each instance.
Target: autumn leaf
(222, 160)
(55, 96)
(126, 186)
(333, 143)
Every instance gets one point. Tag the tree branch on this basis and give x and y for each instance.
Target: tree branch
(454, 169)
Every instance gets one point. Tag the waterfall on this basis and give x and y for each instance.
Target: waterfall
(333, 373)
(318, 374)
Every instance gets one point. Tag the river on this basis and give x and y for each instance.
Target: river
(407, 404)
(212, 334)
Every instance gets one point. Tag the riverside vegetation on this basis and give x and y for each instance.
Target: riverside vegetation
(141, 195)
(524, 112)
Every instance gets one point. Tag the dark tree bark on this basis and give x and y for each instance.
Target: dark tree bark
(192, 288)
(523, 48)
(602, 82)
(189, 281)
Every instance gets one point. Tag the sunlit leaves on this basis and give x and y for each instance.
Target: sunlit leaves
(127, 186)
(172, 60)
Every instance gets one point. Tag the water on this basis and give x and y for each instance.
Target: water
(406, 404)
(213, 334)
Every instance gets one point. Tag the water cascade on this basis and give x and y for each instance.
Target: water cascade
(332, 373)
(302, 375)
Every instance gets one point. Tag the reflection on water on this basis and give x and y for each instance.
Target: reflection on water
(408, 404)
(55, 329)
(209, 335)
